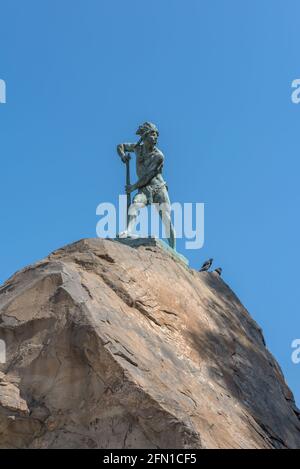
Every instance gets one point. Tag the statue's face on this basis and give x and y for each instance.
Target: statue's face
(151, 137)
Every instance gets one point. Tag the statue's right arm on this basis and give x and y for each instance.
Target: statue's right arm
(123, 148)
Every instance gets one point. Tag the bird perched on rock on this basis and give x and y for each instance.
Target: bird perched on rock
(218, 270)
(206, 265)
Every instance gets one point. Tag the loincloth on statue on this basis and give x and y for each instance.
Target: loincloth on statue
(153, 194)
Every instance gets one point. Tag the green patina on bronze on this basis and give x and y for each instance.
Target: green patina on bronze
(151, 186)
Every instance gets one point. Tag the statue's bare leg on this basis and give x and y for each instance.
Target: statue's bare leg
(163, 205)
(169, 228)
(139, 201)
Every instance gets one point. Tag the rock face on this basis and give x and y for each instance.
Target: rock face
(114, 347)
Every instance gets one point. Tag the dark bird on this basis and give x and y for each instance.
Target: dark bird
(206, 265)
(218, 270)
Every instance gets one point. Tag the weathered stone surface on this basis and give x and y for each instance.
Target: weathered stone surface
(110, 346)
(137, 241)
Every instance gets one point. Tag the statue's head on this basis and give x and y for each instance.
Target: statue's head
(148, 133)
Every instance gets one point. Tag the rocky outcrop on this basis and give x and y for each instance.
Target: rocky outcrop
(109, 346)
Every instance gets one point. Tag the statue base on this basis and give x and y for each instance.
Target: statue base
(135, 242)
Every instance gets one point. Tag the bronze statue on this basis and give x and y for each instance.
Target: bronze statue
(150, 185)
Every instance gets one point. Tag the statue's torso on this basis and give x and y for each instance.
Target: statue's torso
(144, 161)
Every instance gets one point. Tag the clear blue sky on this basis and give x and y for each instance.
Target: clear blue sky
(215, 76)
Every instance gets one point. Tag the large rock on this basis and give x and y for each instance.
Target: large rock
(114, 347)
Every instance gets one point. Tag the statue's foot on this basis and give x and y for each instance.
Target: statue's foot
(123, 234)
(127, 234)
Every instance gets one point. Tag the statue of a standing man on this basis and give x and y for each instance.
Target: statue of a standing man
(150, 185)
